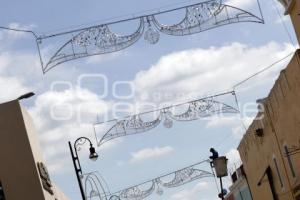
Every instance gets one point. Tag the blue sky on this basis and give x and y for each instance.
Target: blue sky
(196, 65)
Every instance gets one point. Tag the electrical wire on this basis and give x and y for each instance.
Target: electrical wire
(284, 24)
(252, 76)
(262, 70)
(238, 107)
(166, 175)
(19, 30)
(276, 62)
(123, 20)
(260, 11)
(131, 16)
(168, 107)
(143, 12)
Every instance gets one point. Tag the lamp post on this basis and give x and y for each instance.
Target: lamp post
(220, 165)
(77, 166)
(26, 96)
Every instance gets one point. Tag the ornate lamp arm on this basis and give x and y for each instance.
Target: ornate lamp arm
(76, 162)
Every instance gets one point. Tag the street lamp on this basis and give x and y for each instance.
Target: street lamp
(26, 96)
(93, 156)
(220, 165)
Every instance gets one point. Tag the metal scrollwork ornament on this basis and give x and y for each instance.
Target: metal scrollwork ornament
(151, 34)
(99, 39)
(80, 142)
(114, 197)
(138, 192)
(96, 187)
(168, 123)
(188, 111)
(159, 190)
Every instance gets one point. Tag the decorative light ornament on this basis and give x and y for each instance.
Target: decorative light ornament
(194, 16)
(99, 39)
(114, 197)
(159, 190)
(136, 124)
(104, 37)
(94, 193)
(142, 191)
(151, 35)
(82, 41)
(168, 123)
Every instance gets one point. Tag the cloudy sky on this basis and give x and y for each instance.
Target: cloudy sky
(74, 95)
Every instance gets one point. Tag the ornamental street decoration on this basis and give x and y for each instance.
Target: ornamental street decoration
(95, 188)
(46, 182)
(138, 123)
(101, 39)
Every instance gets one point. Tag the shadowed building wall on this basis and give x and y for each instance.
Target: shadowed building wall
(22, 173)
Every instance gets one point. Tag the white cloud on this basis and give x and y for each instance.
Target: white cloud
(208, 70)
(236, 123)
(240, 3)
(9, 37)
(55, 147)
(148, 153)
(221, 122)
(234, 160)
(191, 194)
(282, 19)
(5, 61)
(104, 57)
(20, 64)
(11, 88)
(239, 129)
(76, 107)
(81, 107)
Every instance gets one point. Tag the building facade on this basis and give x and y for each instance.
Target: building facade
(23, 174)
(239, 190)
(272, 169)
(270, 149)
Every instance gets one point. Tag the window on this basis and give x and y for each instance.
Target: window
(286, 150)
(243, 194)
(278, 173)
(2, 197)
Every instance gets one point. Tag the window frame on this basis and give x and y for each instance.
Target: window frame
(290, 162)
(278, 172)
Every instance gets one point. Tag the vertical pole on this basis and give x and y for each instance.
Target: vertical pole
(221, 184)
(77, 172)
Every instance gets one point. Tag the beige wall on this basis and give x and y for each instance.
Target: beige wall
(281, 125)
(19, 154)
